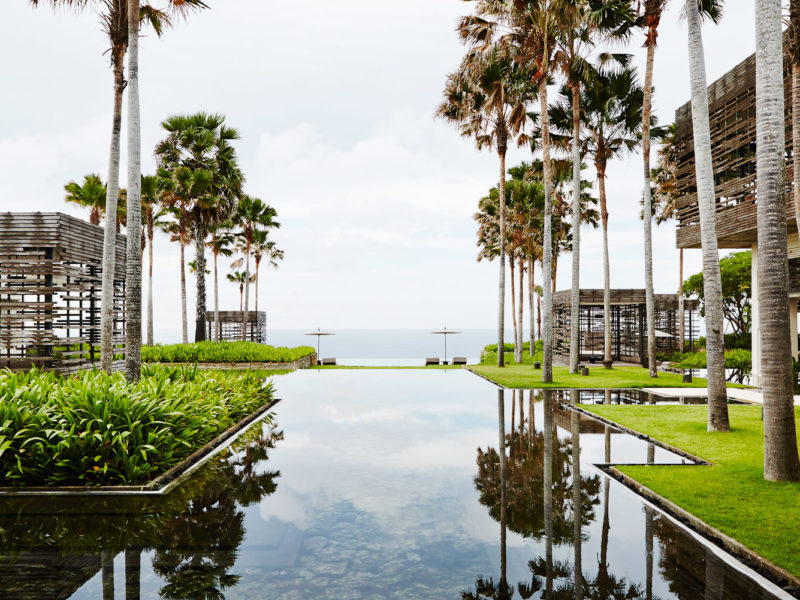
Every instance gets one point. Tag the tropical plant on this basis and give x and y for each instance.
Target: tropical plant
(264, 248)
(97, 429)
(737, 288)
(90, 194)
(781, 462)
(223, 352)
(611, 114)
(199, 148)
(251, 215)
(241, 278)
(485, 99)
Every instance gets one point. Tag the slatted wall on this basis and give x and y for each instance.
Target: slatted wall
(231, 326)
(50, 291)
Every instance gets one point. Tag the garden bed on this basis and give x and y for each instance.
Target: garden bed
(96, 430)
(228, 353)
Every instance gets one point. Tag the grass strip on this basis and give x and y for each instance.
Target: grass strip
(523, 376)
(223, 352)
(731, 495)
(97, 429)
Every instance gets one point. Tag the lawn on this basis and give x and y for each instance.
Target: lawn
(731, 495)
(524, 376)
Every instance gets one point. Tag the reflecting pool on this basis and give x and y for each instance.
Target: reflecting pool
(382, 484)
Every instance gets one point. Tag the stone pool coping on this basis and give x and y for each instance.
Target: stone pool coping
(742, 553)
(164, 483)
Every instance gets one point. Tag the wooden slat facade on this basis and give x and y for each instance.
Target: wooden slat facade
(231, 326)
(628, 324)
(732, 110)
(50, 292)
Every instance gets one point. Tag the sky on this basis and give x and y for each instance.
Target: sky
(335, 105)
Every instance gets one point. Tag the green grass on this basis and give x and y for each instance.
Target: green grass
(517, 376)
(97, 429)
(731, 495)
(222, 352)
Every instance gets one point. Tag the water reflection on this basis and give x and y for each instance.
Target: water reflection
(387, 484)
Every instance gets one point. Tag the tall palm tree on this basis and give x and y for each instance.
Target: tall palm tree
(251, 215)
(201, 143)
(486, 100)
(221, 244)
(89, 194)
(179, 229)
(712, 278)
(781, 461)
(114, 22)
(262, 248)
(152, 213)
(794, 54)
(611, 109)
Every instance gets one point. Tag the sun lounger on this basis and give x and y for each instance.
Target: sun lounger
(329, 362)
(431, 361)
(459, 360)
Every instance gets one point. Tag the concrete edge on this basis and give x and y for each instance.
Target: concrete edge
(733, 547)
(164, 483)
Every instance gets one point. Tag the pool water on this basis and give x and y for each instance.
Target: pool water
(382, 484)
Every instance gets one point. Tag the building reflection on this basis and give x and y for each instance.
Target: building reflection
(52, 547)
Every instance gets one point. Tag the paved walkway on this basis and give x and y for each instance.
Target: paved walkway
(745, 395)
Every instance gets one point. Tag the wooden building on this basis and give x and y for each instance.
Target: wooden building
(231, 326)
(628, 325)
(50, 290)
(732, 110)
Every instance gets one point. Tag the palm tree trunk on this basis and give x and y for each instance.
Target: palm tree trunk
(501, 449)
(245, 316)
(648, 212)
(107, 566)
(794, 16)
(532, 315)
(133, 304)
(109, 231)
(133, 573)
(513, 307)
(200, 262)
(547, 497)
(780, 439)
(184, 311)
(258, 264)
(607, 359)
(712, 279)
(575, 310)
(217, 324)
(547, 262)
(521, 307)
(539, 315)
(501, 291)
(150, 236)
(577, 534)
(681, 310)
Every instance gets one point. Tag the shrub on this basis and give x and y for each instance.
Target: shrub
(222, 352)
(489, 354)
(734, 359)
(97, 429)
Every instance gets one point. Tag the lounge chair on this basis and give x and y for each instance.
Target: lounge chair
(328, 362)
(431, 361)
(459, 360)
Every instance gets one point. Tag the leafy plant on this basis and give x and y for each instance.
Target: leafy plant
(97, 429)
(222, 352)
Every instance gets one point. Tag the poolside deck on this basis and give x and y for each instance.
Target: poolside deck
(744, 395)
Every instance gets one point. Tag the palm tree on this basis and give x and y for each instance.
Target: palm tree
(179, 230)
(201, 143)
(781, 461)
(794, 54)
(153, 214)
(263, 248)
(611, 114)
(241, 278)
(251, 215)
(221, 245)
(712, 278)
(486, 99)
(89, 194)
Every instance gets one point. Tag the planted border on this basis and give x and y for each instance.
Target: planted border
(223, 352)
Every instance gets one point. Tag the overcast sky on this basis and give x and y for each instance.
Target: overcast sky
(335, 104)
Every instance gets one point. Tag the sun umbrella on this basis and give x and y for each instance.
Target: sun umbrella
(445, 332)
(319, 333)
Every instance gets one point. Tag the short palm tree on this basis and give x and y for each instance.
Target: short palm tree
(90, 194)
(486, 100)
(201, 144)
(241, 278)
(251, 215)
(781, 461)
